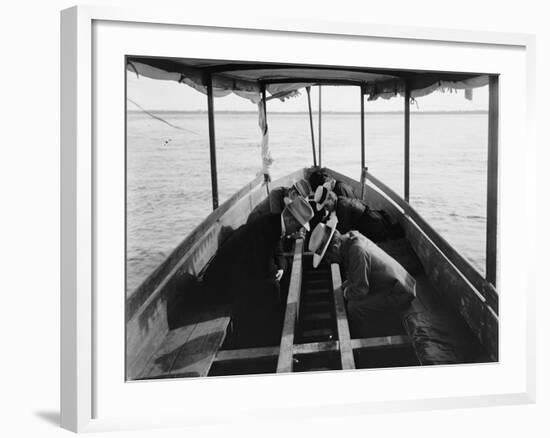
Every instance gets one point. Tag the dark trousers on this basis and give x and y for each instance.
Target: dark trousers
(377, 314)
(257, 316)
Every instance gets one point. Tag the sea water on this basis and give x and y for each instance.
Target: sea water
(169, 186)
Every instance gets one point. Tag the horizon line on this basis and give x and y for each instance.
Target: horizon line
(479, 111)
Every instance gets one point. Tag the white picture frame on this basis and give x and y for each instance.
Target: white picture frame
(83, 367)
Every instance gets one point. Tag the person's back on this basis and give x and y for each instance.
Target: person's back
(361, 257)
(349, 213)
(353, 214)
(273, 203)
(377, 287)
(343, 189)
(249, 255)
(243, 273)
(318, 177)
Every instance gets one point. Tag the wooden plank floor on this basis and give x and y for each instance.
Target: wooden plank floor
(284, 364)
(346, 352)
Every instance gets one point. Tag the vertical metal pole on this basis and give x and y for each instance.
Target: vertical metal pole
(362, 129)
(407, 138)
(362, 177)
(262, 87)
(308, 89)
(492, 182)
(320, 110)
(212, 137)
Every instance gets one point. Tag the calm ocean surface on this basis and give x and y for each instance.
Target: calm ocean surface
(168, 171)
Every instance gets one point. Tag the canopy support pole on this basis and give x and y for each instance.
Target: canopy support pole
(492, 182)
(308, 89)
(264, 101)
(320, 110)
(407, 139)
(362, 140)
(212, 138)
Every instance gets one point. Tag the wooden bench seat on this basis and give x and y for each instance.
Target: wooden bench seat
(189, 350)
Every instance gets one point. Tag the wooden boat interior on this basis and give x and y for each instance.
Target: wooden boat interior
(172, 333)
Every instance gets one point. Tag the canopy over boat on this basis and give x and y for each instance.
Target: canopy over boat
(246, 79)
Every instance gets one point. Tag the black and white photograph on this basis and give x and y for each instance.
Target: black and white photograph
(278, 219)
(289, 218)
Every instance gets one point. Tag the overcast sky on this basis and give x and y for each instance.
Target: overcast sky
(171, 96)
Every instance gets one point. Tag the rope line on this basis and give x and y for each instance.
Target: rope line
(160, 119)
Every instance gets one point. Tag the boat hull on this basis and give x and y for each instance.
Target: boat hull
(149, 308)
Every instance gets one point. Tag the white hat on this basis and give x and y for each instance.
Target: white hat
(319, 241)
(301, 210)
(321, 195)
(302, 187)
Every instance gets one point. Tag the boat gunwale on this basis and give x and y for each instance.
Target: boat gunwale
(157, 279)
(483, 287)
(486, 291)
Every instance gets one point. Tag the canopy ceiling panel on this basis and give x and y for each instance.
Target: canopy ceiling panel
(246, 78)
